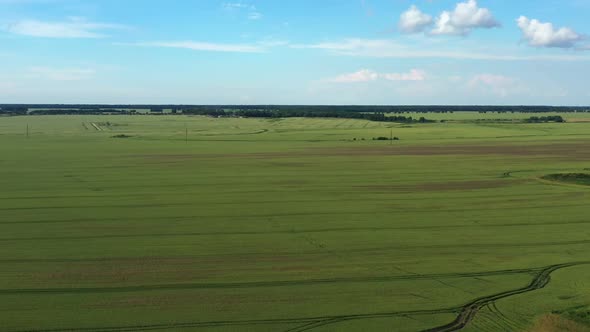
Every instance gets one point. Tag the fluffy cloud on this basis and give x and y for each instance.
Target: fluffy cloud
(414, 21)
(74, 27)
(466, 17)
(363, 75)
(412, 75)
(367, 75)
(539, 34)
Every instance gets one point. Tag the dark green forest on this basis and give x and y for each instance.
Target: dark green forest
(371, 113)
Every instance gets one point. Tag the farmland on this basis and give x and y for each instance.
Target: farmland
(193, 223)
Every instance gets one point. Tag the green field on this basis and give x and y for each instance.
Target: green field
(227, 224)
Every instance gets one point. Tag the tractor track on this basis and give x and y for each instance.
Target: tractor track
(257, 284)
(375, 249)
(290, 214)
(466, 313)
(309, 323)
(253, 232)
(470, 310)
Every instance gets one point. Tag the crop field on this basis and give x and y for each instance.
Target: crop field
(190, 223)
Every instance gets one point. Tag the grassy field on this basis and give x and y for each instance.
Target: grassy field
(206, 224)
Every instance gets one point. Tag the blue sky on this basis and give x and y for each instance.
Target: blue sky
(295, 52)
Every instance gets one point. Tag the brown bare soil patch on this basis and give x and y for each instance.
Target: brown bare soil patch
(556, 323)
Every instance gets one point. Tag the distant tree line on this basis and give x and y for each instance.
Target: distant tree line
(396, 109)
(5, 108)
(215, 112)
(541, 119)
(392, 109)
(295, 113)
(371, 113)
(81, 111)
(11, 110)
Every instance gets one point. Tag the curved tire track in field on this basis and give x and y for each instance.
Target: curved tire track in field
(466, 312)
(308, 323)
(469, 311)
(259, 284)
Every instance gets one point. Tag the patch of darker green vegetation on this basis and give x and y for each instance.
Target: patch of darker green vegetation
(575, 178)
(580, 314)
(122, 136)
(542, 119)
(382, 138)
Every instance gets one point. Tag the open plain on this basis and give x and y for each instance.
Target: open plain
(192, 223)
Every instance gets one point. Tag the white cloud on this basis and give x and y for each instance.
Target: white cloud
(466, 17)
(497, 84)
(381, 48)
(412, 75)
(204, 46)
(254, 16)
(61, 74)
(540, 34)
(253, 13)
(353, 45)
(236, 5)
(367, 75)
(271, 42)
(414, 21)
(74, 27)
(444, 26)
(363, 75)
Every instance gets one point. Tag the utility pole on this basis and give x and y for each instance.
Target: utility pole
(185, 133)
(27, 130)
(391, 137)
